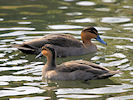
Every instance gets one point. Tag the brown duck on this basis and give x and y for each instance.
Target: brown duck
(64, 44)
(71, 70)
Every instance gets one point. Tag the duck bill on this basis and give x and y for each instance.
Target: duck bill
(39, 55)
(100, 40)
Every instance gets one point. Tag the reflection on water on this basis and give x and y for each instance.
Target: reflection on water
(63, 26)
(85, 3)
(105, 90)
(128, 97)
(114, 20)
(32, 98)
(23, 20)
(16, 28)
(24, 90)
(84, 20)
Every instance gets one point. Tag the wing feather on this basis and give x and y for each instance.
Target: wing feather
(63, 40)
(81, 65)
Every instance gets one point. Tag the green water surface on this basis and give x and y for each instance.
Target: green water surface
(23, 20)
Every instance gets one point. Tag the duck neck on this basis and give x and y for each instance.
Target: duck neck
(85, 39)
(51, 63)
(87, 42)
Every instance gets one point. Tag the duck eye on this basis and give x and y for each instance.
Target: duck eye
(43, 48)
(94, 32)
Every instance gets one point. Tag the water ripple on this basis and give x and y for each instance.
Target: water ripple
(16, 28)
(129, 24)
(118, 55)
(120, 38)
(37, 84)
(103, 28)
(20, 74)
(34, 71)
(2, 55)
(63, 7)
(18, 78)
(32, 98)
(115, 63)
(7, 40)
(85, 3)
(19, 33)
(64, 26)
(128, 28)
(108, 1)
(74, 13)
(20, 91)
(78, 96)
(15, 62)
(103, 90)
(1, 19)
(124, 67)
(102, 9)
(4, 83)
(84, 20)
(131, 7)
(115, 19)
(124, 47)
(24, 22)
(127, 97)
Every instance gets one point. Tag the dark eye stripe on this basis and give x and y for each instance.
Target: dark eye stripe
(92, 31)
(43, 48)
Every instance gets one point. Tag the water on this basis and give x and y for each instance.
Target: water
(23, 20)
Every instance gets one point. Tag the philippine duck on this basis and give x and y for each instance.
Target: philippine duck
(64, 44)
(71, 70)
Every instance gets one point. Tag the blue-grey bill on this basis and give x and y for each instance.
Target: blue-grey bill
(39, 55)
(100, 40)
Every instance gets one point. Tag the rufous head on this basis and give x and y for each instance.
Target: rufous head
(90, 32)
(46, 51)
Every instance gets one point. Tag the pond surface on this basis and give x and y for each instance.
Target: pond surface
(23, 20)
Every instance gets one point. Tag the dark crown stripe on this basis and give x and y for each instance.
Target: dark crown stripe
(91, 29)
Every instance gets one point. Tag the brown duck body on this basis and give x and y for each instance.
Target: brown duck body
(64, 44)
(76, 70)
(72, 70)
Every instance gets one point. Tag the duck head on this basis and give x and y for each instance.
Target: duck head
(49, 53)
(46, 51)
(90, 32)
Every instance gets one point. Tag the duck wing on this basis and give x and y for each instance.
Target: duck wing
(96, 70)
(81, 65)
(63, 40)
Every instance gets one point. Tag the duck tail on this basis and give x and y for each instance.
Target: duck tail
(109, 74)
(26, 48)
(22, 46)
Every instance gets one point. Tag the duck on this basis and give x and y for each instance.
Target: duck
(64, 44)
(71, 70)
